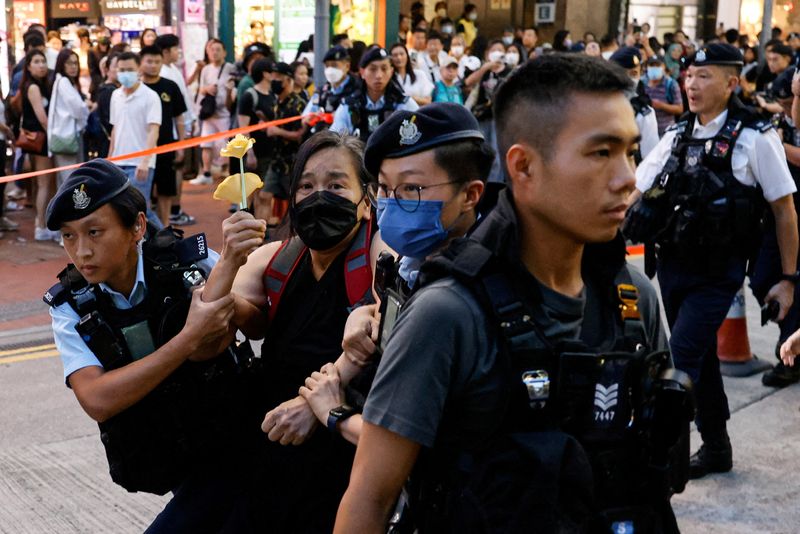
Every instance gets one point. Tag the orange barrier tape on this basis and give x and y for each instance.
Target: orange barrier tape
(635, 250)
(163, 149)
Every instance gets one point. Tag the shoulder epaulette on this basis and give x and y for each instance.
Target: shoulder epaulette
(677, 127)
(56, 295)
(646, 110)
(762, 125)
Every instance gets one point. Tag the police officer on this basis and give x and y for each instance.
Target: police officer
(339, 85)
(767, 267)
(630, 59)
(376, 98)
(146, 358)
(704, 189)
(481, 376)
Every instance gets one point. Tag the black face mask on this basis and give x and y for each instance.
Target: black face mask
(276, 86)
(323, 220)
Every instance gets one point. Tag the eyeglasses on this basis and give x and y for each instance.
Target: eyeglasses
(411, 193)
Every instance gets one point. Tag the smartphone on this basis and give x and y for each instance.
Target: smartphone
(392, 306)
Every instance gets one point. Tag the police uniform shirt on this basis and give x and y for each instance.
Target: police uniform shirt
(648, 129)
(75, 354)
(758, 158)
(343, 124)
(313, 104)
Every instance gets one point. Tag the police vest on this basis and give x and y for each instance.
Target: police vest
(590, 439)
(696, 209)
(328, 101)
(365, 121)
(195, 412)
(357, 268)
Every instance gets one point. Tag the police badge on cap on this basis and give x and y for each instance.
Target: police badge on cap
(717, 54)
(409, 133)
(80, 199)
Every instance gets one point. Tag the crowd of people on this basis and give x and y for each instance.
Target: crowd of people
(416, 270)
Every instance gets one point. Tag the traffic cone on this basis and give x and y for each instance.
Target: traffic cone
(733, 344)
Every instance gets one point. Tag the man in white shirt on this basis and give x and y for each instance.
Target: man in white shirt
(136, 117)
(170, 53)
(433, 57)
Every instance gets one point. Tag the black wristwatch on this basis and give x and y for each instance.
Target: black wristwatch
(338, 414)
(793, 278)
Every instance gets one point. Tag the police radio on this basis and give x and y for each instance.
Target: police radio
(391, 301)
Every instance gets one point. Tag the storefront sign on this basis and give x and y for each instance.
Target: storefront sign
(295, 24)
(120, 7)
(194, 11)
(67, 10)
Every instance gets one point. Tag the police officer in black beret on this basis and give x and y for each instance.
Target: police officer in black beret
(767, 268)
(630, 59)
(145, 356)
(704, 190)
(338, 86)
(492, 388)
(378, 96)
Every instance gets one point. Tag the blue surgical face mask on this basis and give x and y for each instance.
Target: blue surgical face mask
(655, 73)
(416, 234)
(127, 78)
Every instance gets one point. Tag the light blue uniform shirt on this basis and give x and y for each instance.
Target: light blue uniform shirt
(343, 124)
(313, 104)
(75, 354)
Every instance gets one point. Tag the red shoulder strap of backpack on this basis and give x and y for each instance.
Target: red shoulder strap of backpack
(279, 270)
(357, 267)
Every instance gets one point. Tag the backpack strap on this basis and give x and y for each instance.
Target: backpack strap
(357, 268)
(280, 269)
(627, 295)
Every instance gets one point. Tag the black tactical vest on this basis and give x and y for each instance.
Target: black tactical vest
(366, 121)
(696, 210)
(195, 413)
(591, 437)
(329, 101)
(791, 136)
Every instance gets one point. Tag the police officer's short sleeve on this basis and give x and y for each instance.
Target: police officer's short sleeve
(653, 162)
(74, 352)
(341, 120)
(648, 129)
(439, 349)
(767, 161)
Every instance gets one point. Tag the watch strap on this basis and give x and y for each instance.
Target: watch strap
(340, 413)
(794, 278)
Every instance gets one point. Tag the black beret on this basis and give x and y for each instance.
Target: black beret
(409, 132)
(337, 53)
(89, 187)
(782, 49)
(781, 87)
(373, 54)
(282, 68)
(717, 54)
(256, 48)
(627, 57)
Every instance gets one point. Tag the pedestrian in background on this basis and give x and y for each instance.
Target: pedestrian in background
(35, 88)
(415, 82)
(67, 115)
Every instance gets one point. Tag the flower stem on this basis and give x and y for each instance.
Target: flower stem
(243, 203)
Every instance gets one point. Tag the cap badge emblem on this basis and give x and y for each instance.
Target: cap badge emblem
(700, 56)
(80, 198)
(409, 133)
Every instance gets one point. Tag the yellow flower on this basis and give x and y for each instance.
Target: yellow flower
(237, 147)
(230, 188)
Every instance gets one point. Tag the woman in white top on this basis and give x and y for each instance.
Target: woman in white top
(415, 83)
(67, 115)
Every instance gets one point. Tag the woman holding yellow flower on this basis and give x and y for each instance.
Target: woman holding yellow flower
(297, 296)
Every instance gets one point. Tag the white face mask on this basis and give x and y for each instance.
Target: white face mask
(447, 29)
(496, 56)
(568, 43)
(457, 51)
(512, 59)
(507, 40)
(333, 75)
(472, 16)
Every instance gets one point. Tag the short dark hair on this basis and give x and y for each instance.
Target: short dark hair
(732, 36)
(151, 50)
(168, 40)
(33, 40)
(420, 29)
(540, 91)
(329, 139)
(434, 35)
(466, 160)
(258, 68)
(607, 39)
(127, 205)
(125, 56)
(338, 38)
